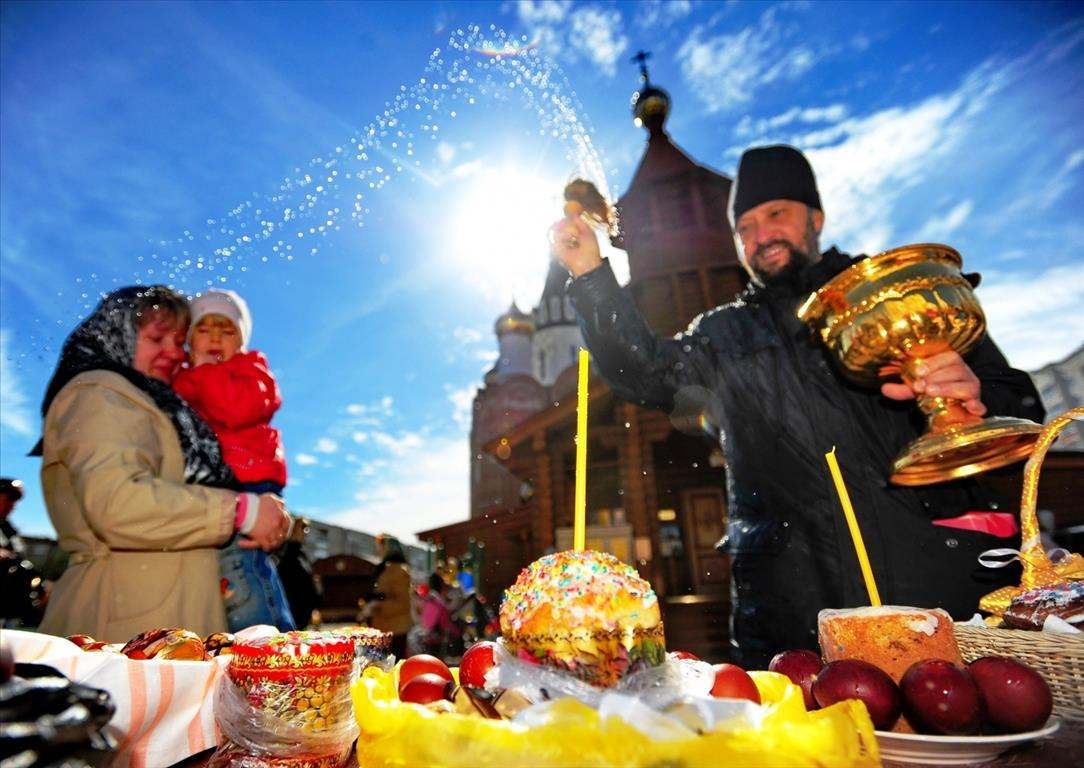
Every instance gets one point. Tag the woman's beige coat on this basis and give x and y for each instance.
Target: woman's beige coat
(142, 541)
(392, 614)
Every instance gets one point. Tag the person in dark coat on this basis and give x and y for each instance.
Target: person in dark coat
(11, 491)
(779, 404)
(20, 582)
(295, 571)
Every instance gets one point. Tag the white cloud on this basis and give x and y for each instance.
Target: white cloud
(656, 14)
(426, 486)
(326, 445)
(467, 169)
(590, 33)
(596, 34)
(1040, 197)
(861, 42)
(398, 445)
(15, 410)
(467, 335)
(1034, 333)
(462, 400)
(865, 164)
(472, 344)
(832, 113)
(1061, 48)
(543, 11)
(306, 459)
(370, 414)
(725, 71)
(939, 228)
(445, 152)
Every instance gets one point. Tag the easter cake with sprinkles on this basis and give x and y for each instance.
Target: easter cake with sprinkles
(587, 613)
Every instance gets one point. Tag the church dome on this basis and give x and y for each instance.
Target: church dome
(650, 107)
(514, 321)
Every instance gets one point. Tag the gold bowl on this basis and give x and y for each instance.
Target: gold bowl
(884, 315)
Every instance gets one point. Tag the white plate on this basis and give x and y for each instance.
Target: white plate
(954, 750)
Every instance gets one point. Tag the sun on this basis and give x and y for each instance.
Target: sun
(498, 232)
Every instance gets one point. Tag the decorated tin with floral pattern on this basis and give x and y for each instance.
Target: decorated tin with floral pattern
(300, 677)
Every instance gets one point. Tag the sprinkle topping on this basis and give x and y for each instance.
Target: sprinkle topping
(568, 590)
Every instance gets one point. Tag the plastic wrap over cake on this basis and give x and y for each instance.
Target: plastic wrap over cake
(890, 637)
(586, 613)
(371, 647)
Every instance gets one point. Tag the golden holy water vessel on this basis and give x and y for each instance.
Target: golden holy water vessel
(880, 318)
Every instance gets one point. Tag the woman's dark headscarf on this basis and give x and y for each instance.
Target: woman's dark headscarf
(106, 341)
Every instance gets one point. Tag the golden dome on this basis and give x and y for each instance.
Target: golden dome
(514, 321)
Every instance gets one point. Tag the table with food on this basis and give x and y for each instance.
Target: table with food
(581, 676)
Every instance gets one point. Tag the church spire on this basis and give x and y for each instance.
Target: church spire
(650, 105)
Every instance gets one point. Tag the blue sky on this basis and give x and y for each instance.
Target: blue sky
(376, 178)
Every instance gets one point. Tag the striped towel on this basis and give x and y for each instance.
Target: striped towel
(164, 708)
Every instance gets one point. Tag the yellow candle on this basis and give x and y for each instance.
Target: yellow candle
(852, 523)
(579, 529)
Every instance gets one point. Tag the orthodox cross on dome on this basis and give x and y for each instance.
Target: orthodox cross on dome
(641, 58)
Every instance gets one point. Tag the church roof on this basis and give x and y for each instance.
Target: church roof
(545, 317)
(662, 160)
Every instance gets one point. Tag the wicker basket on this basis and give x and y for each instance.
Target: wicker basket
(1059, 658)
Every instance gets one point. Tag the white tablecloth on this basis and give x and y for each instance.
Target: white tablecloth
(164, 708)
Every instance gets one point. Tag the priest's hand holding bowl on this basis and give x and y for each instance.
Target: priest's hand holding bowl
(942, 375)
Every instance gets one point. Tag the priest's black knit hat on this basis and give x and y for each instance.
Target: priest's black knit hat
(777, 172)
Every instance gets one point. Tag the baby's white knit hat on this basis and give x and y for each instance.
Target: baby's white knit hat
(225, 303)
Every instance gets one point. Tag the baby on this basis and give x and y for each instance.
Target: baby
(235, 393)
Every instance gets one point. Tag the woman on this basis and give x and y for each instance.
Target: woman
(388, 605)
(438, 634)
(134, 481)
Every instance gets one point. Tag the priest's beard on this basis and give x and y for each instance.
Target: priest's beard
(787, 277)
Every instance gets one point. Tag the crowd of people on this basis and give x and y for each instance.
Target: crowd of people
(438, 615)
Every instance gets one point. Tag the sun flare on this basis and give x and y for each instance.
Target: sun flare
(499, 231)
